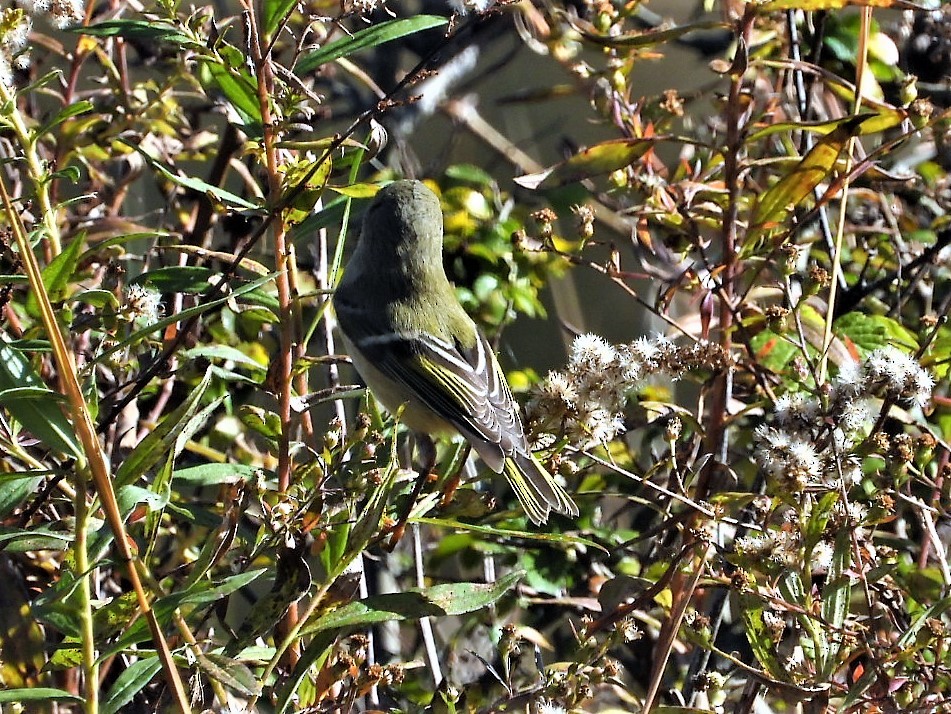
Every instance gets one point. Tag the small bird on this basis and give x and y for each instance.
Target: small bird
(416, 347)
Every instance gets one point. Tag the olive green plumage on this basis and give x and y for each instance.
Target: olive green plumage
(416, 347)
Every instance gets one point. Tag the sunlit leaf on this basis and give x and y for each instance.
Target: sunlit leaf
(785, 195)
(870, 332)
(57, 274)
(370, 37)
(97, 298)
(596, 160)
(274, 13)
(240, 90)
(208, 474)
(357, 190)
(887, 117)
(770, 6)
(15, 488)
(21, 540)
(438, 601)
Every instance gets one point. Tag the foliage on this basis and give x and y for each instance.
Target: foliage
(198, 505)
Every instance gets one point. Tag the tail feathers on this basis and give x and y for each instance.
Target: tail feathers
(537, 490)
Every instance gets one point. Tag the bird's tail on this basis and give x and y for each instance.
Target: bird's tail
(537, 489)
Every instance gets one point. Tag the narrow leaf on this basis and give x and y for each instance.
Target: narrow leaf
(41, 416)
(439, 600)
(230, 673)
(240, 90)
(176, 279)
(777, 202)
(37, 694)
(274, 12)
(160, 440)
(370, 37)
(66, 113)
(599, 159)
(136, 30)
(130, 683)
(219, 194)
(208, 474)
(56, 275)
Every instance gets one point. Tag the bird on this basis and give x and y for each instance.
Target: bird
(418, 350)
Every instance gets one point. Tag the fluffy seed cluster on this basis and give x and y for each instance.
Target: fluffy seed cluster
(15, 26)
(142, 305)
(800, 450)
(893, 374)
(585, 401)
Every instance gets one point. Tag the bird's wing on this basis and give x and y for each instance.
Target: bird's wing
(464, 386)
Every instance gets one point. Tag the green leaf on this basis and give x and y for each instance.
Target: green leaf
(96, 298)
(130, 682)
(16, 488)
(219, 194)
(599, 159)
(201, 593)
(176, 279)
(869, 332)
(230, 672)
(209, 474)
(239, 89)
(57, 274)
(20, 540)
(66, 113)
(559, 538)
(757, 633)
(158, 443)
(260, 420)
(773, 351)
(37, 694)
(224, 353)
(41, 416)
(71, 173)
(470, 174)
(274, 12)
(137, 30)
(436, 601)
(365, 39)
(131, 496)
